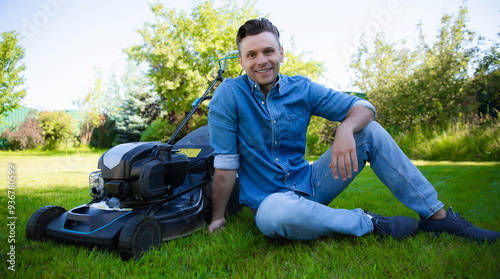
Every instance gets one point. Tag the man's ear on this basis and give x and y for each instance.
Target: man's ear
(282, 55)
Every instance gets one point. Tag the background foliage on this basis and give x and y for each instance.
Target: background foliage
(59, 129)
(438, 97)
(139, 108)
(426, 85)
(181, 50)
(47, 130)
(91, 108)
(27, 135)
(11, 68)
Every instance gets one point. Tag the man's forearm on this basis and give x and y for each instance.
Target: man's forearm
(344, 146)
(222, 187)
(357, 118)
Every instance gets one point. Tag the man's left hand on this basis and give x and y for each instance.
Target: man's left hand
(344, 153)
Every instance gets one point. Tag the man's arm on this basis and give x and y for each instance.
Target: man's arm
(344, 146)
(222, 187)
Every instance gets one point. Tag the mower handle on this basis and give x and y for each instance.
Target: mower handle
(196, 104)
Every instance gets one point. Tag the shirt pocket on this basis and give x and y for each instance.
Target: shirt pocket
(297, 125)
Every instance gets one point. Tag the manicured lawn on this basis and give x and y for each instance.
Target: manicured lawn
(240, 251)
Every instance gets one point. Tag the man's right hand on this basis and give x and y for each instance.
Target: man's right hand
(216, 225)
(222, 187)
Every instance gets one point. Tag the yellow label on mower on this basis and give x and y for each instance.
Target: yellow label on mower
(190, 152)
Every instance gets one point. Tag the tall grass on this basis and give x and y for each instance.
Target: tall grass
(240, 251)
(458, 141)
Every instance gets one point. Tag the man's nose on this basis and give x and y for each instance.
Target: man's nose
(261, 59)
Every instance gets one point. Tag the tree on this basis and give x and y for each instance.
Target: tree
(485, 84)
(90, 107)
(138, 109)
(420, 86)
(11, 67)
(182, 50)
(100, 100)
(298, 65)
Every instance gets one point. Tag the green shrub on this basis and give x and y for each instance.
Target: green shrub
(59, 129)
(27, 135)
(160, 130)
(320, 135)
(163, 128)
(102, 136)
(458, 141)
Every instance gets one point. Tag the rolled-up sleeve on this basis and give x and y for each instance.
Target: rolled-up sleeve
(227, 161)
(223, 127)
(367, 104)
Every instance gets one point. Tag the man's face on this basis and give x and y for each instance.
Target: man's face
(260, 57)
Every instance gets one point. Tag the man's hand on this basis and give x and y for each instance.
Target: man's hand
(222, 187)
(344, 145)
(344, 153)
(216, 225)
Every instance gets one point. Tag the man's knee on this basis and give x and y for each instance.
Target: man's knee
(373, 130)
(373, 127)
(274, 213)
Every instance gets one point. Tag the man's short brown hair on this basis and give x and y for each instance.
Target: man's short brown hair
(255, 27)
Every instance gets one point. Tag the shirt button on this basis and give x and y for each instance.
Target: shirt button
(276, 142)
(293, 186)
(276, 159)
(263, 102)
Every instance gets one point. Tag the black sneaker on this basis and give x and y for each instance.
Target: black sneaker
(399, 226)
(455, 224)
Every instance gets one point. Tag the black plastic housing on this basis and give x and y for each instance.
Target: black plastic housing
(142, 170)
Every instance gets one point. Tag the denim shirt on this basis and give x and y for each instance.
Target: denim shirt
(265, 139)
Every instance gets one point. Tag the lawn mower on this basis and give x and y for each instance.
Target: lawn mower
(143, 193)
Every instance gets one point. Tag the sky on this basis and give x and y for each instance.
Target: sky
(65, 41)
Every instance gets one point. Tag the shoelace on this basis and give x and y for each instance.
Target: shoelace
(461, 220)
(378, 226)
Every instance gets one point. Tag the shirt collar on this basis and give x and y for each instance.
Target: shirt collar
(255, 85)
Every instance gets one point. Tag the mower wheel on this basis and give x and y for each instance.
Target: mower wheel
(138, 235)
(38, 222)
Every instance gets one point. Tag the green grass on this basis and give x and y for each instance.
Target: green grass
(241, 251)
(458, 141)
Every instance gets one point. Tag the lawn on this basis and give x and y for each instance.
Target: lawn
(240, 251)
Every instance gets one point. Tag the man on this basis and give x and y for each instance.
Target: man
(258, 125)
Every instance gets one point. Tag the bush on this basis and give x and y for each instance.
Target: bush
(320, 135)
(458, 141)
(102, 136)
(59, 129)
(27, 135)
(162, 129)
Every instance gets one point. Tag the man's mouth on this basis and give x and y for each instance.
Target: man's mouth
(263, 71)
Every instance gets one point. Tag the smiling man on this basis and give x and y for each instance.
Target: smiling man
(261, 57)
(258, 124)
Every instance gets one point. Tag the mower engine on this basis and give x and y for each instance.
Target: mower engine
(139, 171)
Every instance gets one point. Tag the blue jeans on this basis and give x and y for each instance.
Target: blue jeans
(296, 216)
